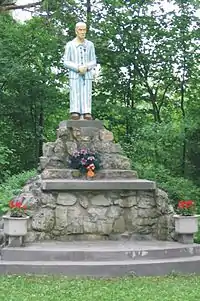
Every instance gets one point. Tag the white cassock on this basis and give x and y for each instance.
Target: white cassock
(77, 55)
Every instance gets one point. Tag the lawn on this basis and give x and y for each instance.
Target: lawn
(29, 288)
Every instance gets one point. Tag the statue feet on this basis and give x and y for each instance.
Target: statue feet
(75, 116)
(87, 116)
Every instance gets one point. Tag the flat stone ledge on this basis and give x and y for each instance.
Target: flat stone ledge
(81, 124)
(63, 185)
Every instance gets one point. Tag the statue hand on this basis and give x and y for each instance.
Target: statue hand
(82, 69)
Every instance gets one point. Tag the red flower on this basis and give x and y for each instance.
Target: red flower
(186, 207)
(11, 204)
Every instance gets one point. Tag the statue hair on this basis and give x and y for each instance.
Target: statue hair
(80, 24)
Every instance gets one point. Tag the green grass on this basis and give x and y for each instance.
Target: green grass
(29, 288)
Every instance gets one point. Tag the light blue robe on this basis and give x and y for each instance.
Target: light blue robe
(75, 56)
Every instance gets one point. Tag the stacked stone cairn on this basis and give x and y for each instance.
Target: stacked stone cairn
(114, 205)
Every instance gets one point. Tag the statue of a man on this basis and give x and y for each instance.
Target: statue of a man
(80, 59)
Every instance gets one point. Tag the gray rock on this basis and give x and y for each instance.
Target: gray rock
(145, 213)
(100, 200)
(48, 149)
(66, 199)
(119, 225)
(96, 214)
(64, 133)
(71, 147)
(75, 217)
(43, 220)
(61, 217)
(106, 135)
(113, 212)
(58, 173)
(30, 200)
(89, 226)
(146, 221)
(107, 148)
(31, 236)
(130, 218)
(146, 201)
(59, 148)
(55, 162)
(43, 162)
(128, 202)
(84, 202)
(48, 199)
(109, 161)
(104, 227)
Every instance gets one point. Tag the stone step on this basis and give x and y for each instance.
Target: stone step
(105, 184)
(103, 269)
(75, 174)
(99, 251)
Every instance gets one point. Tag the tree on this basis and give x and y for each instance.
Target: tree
(7, 5)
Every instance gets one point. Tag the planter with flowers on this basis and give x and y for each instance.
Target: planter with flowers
(16, 222)
(186, 221)
(86, 162)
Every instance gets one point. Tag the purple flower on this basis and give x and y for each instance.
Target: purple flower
(83, 151)
(83, 161)
(91, 158)
(76, 154)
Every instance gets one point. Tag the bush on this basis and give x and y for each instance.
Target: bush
(178, 188)
(12, 186)
(4, 162)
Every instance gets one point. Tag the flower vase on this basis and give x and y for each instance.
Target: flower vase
(15, 228)
(186, 226)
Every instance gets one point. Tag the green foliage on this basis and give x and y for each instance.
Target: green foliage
(12, 187)
(5, 153)
(178, 188)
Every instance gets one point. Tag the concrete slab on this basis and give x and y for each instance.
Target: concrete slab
(104, 268)
(104, 184)
(81, 124)
(99, 251)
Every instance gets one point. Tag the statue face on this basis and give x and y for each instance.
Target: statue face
(81, 32)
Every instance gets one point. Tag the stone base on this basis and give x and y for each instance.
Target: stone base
(186, 238)
(113, 205)
(101, 259)
(15, 241)
(75, 214)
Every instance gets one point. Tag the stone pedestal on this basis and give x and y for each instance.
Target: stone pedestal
(15, 241)
(113, 205)
(186, 238)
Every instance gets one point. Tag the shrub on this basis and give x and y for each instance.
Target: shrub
(178, 188)
(12, 186)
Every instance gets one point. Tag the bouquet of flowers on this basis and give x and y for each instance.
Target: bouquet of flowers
(186, 208)
(86, 161)
(17, 208)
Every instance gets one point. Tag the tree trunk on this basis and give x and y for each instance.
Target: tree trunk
(88, 16)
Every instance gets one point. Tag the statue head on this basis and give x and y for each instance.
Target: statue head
(81, 30)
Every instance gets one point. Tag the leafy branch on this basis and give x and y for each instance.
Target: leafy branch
(13, 6)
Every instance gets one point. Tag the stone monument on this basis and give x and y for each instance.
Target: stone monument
(113, 205)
